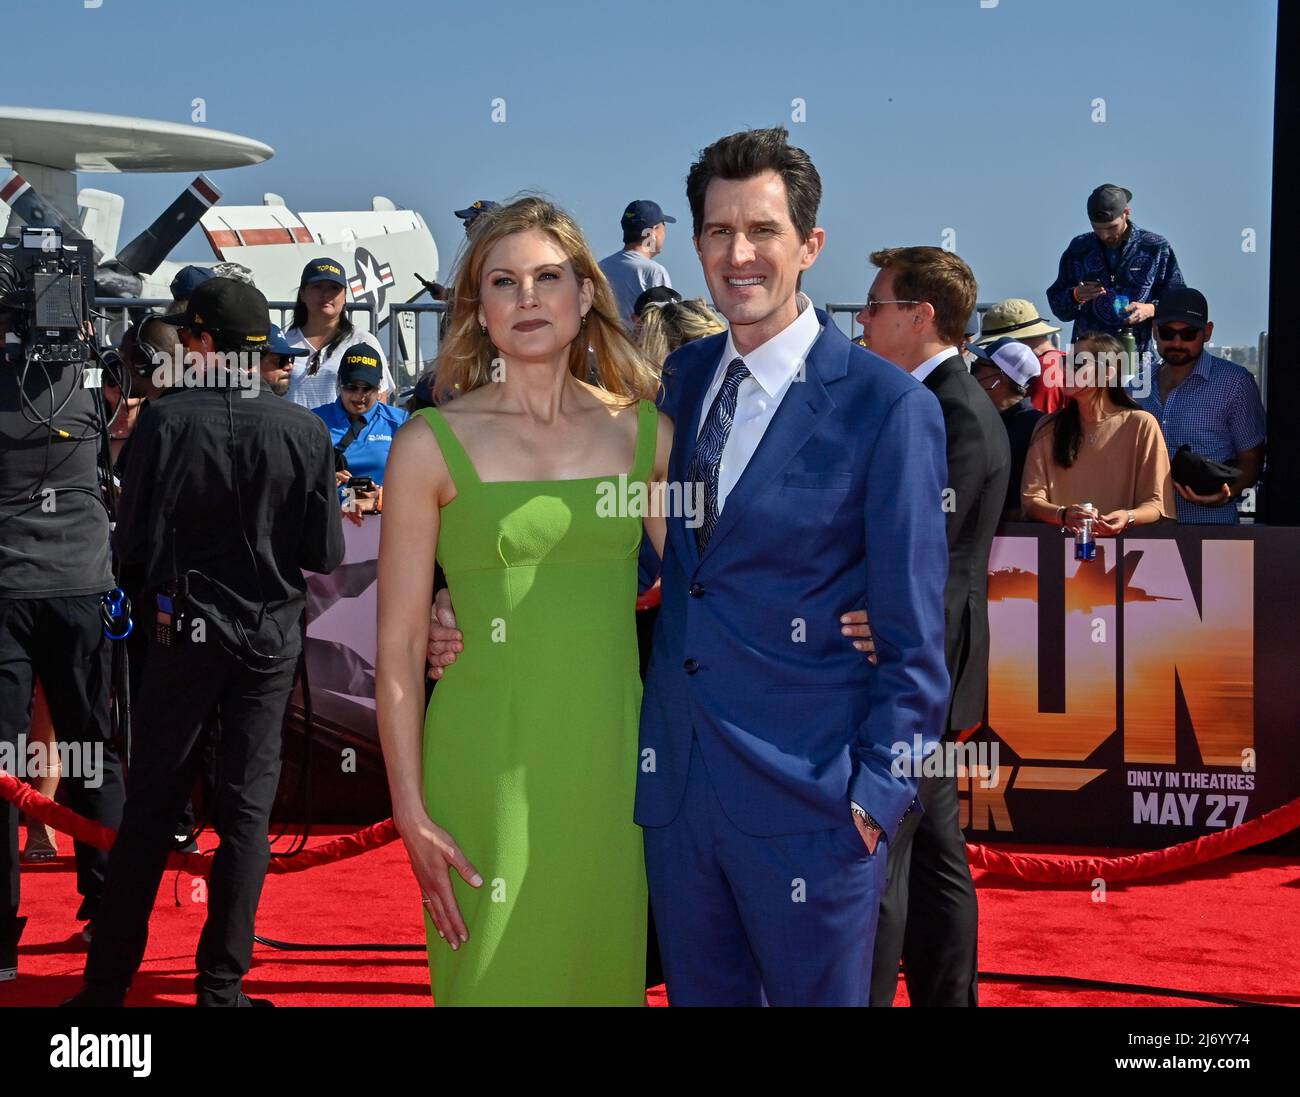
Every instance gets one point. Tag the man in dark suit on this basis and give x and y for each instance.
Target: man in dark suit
(914, 317)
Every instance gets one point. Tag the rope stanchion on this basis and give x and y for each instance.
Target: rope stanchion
(1138, 866)
(44, 810)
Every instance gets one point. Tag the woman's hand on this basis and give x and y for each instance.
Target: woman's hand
(1109, 525)
(434, 853)
(1075, 513)
(342, 477)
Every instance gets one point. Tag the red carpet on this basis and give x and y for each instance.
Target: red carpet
(1229, 928)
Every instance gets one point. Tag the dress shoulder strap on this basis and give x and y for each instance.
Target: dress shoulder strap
(458, 462)
(647, 436)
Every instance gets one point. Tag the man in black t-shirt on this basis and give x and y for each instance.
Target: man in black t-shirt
(54, 571)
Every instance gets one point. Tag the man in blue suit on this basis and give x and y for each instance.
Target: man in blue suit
(775, 760)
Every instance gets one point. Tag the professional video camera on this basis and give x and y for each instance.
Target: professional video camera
(46, 281)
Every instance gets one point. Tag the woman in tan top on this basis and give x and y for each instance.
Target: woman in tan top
(1100, 449)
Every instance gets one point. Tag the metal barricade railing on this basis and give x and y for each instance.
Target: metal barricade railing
(853, 309)
(125, 305)
(408, 367)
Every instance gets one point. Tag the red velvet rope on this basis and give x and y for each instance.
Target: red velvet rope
(44, 810)
(1022, 866)
(1155, 862)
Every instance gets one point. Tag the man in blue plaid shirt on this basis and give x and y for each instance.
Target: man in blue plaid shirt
(1111, 278)
(1209, 403)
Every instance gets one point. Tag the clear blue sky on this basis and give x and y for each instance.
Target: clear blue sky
(922, 115)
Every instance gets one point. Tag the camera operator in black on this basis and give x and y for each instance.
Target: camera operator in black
(54, 571)
(229, 494)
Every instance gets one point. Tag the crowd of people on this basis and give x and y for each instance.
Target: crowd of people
(580, 799)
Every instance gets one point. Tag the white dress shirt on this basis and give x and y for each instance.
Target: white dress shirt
(927, 367)
(773, 366)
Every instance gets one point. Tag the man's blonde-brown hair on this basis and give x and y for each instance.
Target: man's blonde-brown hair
(938, 278)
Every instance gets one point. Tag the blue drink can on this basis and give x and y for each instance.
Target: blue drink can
(1085, 545)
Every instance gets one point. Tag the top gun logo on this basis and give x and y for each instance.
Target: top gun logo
(1079, 690)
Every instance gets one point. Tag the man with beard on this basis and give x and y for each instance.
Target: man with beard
(1111, 278)
(1209, 403)
(275, 363)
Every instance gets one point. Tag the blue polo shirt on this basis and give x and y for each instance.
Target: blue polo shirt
(368, 453)
(1216, 410)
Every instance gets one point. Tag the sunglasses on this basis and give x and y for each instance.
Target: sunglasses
(1180, 335)
(872, 307)
(357, 388)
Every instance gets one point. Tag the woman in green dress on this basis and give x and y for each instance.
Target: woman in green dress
(514, 793)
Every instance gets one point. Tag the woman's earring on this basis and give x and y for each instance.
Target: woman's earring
(482, 329)
(583, 322)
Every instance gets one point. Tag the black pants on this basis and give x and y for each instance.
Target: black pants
(929, 916)
(182, 687)
(60, 641)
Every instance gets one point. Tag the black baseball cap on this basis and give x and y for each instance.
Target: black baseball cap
(361, 363)
(234, 313)
(655, 295)
(643, 214)
(1107, 202)
(1183, 305)
(483, 205)
(324, 270)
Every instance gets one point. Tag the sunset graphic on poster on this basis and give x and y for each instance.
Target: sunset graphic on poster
(1089, 716)
(1188, 677)
(1211, 650)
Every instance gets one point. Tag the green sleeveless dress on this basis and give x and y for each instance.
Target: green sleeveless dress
(530, 742)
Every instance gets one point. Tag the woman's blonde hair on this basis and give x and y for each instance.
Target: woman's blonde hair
(664, 328)
(466, 356)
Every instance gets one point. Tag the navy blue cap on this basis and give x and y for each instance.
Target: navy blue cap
(276, 343)
(187, 280)
(644, 214)
(324, 270)
(361, 363)
(483, 205)
(972, 328)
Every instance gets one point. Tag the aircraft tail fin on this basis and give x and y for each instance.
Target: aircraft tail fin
(101, 218)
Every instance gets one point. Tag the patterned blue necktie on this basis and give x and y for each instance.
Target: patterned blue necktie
(708, 449)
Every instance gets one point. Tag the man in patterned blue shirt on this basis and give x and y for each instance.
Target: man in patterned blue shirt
(1209, 403)
(1111, 278)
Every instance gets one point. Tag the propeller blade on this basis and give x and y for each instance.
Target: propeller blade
(21, 197)
(146, 252)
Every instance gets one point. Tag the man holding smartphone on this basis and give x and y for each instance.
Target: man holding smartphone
(1110, 279)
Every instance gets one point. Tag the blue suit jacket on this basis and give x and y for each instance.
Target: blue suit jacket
(839, 508)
